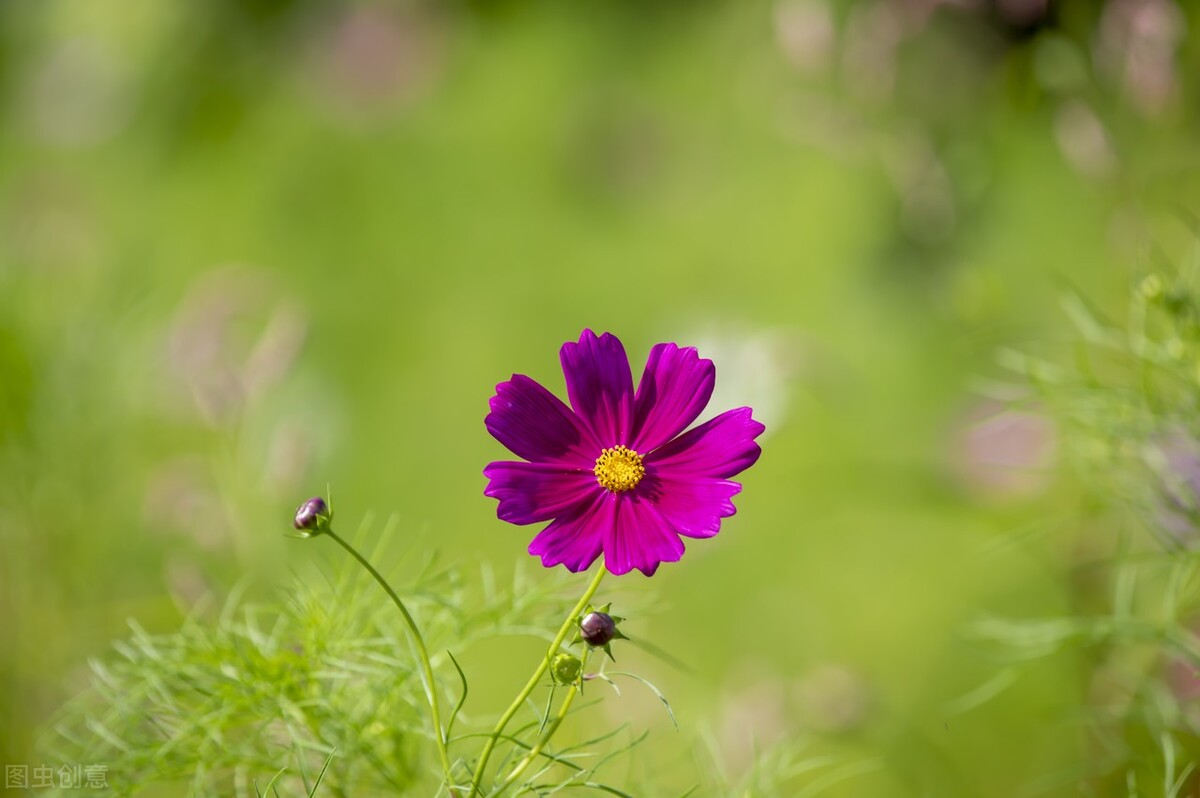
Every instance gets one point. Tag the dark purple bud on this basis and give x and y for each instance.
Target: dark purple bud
(312, 516)
(597, 629)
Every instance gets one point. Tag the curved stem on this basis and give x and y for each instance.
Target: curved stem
(534, 752)
(422, 654)
(538, 673)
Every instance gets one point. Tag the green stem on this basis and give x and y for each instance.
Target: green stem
(534, 752)
(538, 673)
(422, 654)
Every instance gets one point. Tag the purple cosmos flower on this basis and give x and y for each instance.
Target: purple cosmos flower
(614, 475)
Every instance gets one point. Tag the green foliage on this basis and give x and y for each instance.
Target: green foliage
(320, 682)
(323, 673)
(220, 705)
(1128, 395)
(317, 692)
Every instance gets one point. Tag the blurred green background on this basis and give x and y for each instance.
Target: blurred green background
(252, 249)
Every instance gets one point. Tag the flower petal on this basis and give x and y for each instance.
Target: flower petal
(675, 387)
(574, 539)
(719, 448)
(693, 505)
(535, 424)
(637, 536)
(532, 492)
(600, 385)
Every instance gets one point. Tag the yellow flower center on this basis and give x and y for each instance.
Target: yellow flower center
(619, 469)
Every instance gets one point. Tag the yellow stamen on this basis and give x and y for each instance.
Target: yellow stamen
(619, 469)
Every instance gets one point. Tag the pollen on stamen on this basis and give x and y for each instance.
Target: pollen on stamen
(619, 469)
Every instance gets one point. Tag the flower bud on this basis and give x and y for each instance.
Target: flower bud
(313, 517)
(597, 629)
(565, 668)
